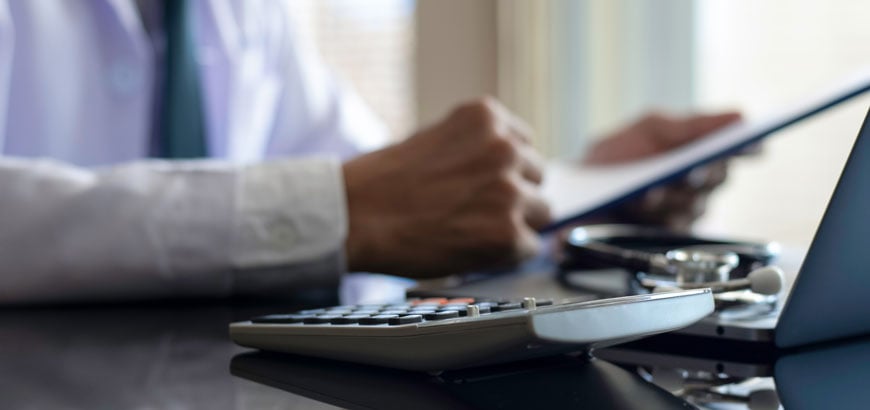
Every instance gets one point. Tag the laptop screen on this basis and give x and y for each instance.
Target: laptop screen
(831, 296)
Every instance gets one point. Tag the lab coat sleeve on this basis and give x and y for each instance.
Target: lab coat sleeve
(167, 229)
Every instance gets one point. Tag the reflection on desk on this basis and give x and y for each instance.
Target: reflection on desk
(179, 357)
(836, 377)
(125, 358)
(741, 375)
(553, 383)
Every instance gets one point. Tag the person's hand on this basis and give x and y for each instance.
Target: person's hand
(676, 205)
(460, 195)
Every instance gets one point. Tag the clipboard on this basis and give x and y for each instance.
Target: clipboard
(576, 190)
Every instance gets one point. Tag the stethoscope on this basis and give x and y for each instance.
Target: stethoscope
(739, 273)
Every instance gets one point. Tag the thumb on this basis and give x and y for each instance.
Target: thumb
(699, 125)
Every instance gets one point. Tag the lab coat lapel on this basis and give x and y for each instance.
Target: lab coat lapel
(128, 25)
(77, 64)
(240, 81)
(130, 71)
(6, 51)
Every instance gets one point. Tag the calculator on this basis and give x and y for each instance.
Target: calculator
(436, 334)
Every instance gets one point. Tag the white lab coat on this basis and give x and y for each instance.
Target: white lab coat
(79, 221)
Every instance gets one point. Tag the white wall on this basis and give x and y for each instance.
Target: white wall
(612, 59)
(456, 54)
(757, 56)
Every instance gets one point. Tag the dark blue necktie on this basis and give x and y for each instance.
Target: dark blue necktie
(182, 132)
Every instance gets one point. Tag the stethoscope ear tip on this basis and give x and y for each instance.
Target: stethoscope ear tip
(767, 280)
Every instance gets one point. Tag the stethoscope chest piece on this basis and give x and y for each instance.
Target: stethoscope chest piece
(694, 265)
(665, 260)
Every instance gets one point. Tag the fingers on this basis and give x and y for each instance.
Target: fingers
(528, 245)
(689, 129)
(511, 125)
(679, 204)
(629, 145)
(509, 142)
(496, 121)
(674, 207)
(535, 209)
(686, 207)
(654, 134)
(707, 177)
(752, 150)
(460, 195)
(670, 132)
(531, 165)
(520, 129)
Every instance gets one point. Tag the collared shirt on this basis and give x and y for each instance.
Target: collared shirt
(84, 217)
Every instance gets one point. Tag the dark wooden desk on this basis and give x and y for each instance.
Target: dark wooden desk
(180, 357)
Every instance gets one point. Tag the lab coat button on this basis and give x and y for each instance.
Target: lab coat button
(282, 233)
(124, 78)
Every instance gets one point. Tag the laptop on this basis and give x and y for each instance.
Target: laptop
(829, 299)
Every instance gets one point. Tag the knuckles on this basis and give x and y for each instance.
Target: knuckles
(506, 233)
(501, 152)
(657, 120)
(504, 241)
(501, 234)
(482, 119)
(506, 191)
(655, 117)
(479, 115)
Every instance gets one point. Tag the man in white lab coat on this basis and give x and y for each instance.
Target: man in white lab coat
(84, 217)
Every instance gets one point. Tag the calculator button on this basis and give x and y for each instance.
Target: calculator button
(454, 306)
(472, 311)
(312, 311)
(394, 312)
(377, 319)
(368, 312)
(292, 318)
(347, 320)
(506, 306)
(544, 302)
(447, 314)
(461, 310)
(321, 319)
(399, 306)
(431, 306)
(529, 303)
(404, 320)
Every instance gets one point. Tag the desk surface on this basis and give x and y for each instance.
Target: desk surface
(181, 357)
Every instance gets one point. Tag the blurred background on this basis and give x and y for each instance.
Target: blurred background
(576, 69)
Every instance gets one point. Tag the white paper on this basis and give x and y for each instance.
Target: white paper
(575, 189)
